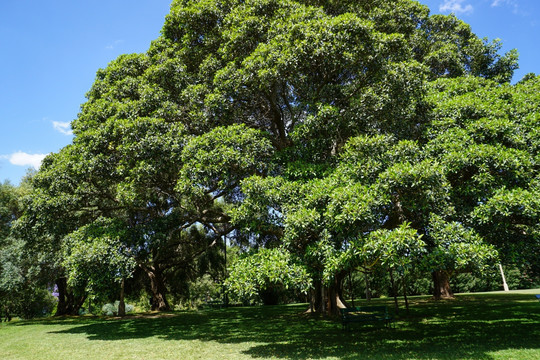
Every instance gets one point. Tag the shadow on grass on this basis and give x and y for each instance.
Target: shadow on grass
(469, 327)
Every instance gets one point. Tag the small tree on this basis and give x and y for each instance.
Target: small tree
(98, 255)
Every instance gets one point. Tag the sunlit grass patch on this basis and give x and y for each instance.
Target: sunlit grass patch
(483, 326)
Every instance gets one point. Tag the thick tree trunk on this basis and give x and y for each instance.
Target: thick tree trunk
(68, 304)
(441, 285)
(61, 308)
(335, 295)
(328, 299)
(158, 289)
(316, 301)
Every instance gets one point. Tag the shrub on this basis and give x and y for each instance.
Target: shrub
(111, 309)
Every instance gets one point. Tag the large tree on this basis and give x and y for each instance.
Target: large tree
(306, 122)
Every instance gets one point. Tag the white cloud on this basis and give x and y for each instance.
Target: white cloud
(500, 2)
(457, 6)
(511, 3)
(23, 159)
(114, 44)
(63, 127)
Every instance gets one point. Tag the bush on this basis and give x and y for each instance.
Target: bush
(30, 303)
(142, 302)
(197, 293)
(111, 309)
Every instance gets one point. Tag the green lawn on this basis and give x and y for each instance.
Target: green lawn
(474, 326)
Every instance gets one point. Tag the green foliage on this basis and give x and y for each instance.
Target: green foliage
(201, 290)
(23, 291)
(485, 135)
(397, 247)
(96, 255)
(492, 281)
(250, 275)
(510, 219)
(455, 248)
(307, 127)
(9, 208)
(216, 161)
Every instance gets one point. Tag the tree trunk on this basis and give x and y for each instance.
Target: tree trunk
(122, 303)
(351, 288)
(368, 286)
(394, 290)
(6, 316)
(68, 304)
(505, 285)
(328, 299)
(311, 301)
(335, 295)
(441, 285)
(324, 300)
(61, 308)
(158, 289)
(405, 294)
(316, 302)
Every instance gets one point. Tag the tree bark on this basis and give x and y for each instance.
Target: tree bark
(368, 287)
(61, 308)
(405, 293)
(157, 289)
(328, 299)
(122, 303)
(68, 304)
(394, 290)
(335, 295)
(317, 297)
(441, 285)
(351, 288)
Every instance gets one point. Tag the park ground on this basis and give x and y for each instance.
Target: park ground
(493, 325)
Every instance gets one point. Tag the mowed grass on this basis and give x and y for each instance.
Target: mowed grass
(473, 326)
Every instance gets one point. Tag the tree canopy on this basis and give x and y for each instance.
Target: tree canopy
(332, 135)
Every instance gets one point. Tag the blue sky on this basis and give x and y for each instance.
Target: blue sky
(52, 49)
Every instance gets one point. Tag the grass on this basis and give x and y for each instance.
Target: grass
(473, 326)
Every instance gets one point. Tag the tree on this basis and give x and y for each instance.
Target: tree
(11, 274)
(23, 291)
(486, 134)
(371, 209)
(308, 123)
(97, 255)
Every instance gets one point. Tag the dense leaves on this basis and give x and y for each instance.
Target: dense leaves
(330, 135)
(266, 269)
(96, 256)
